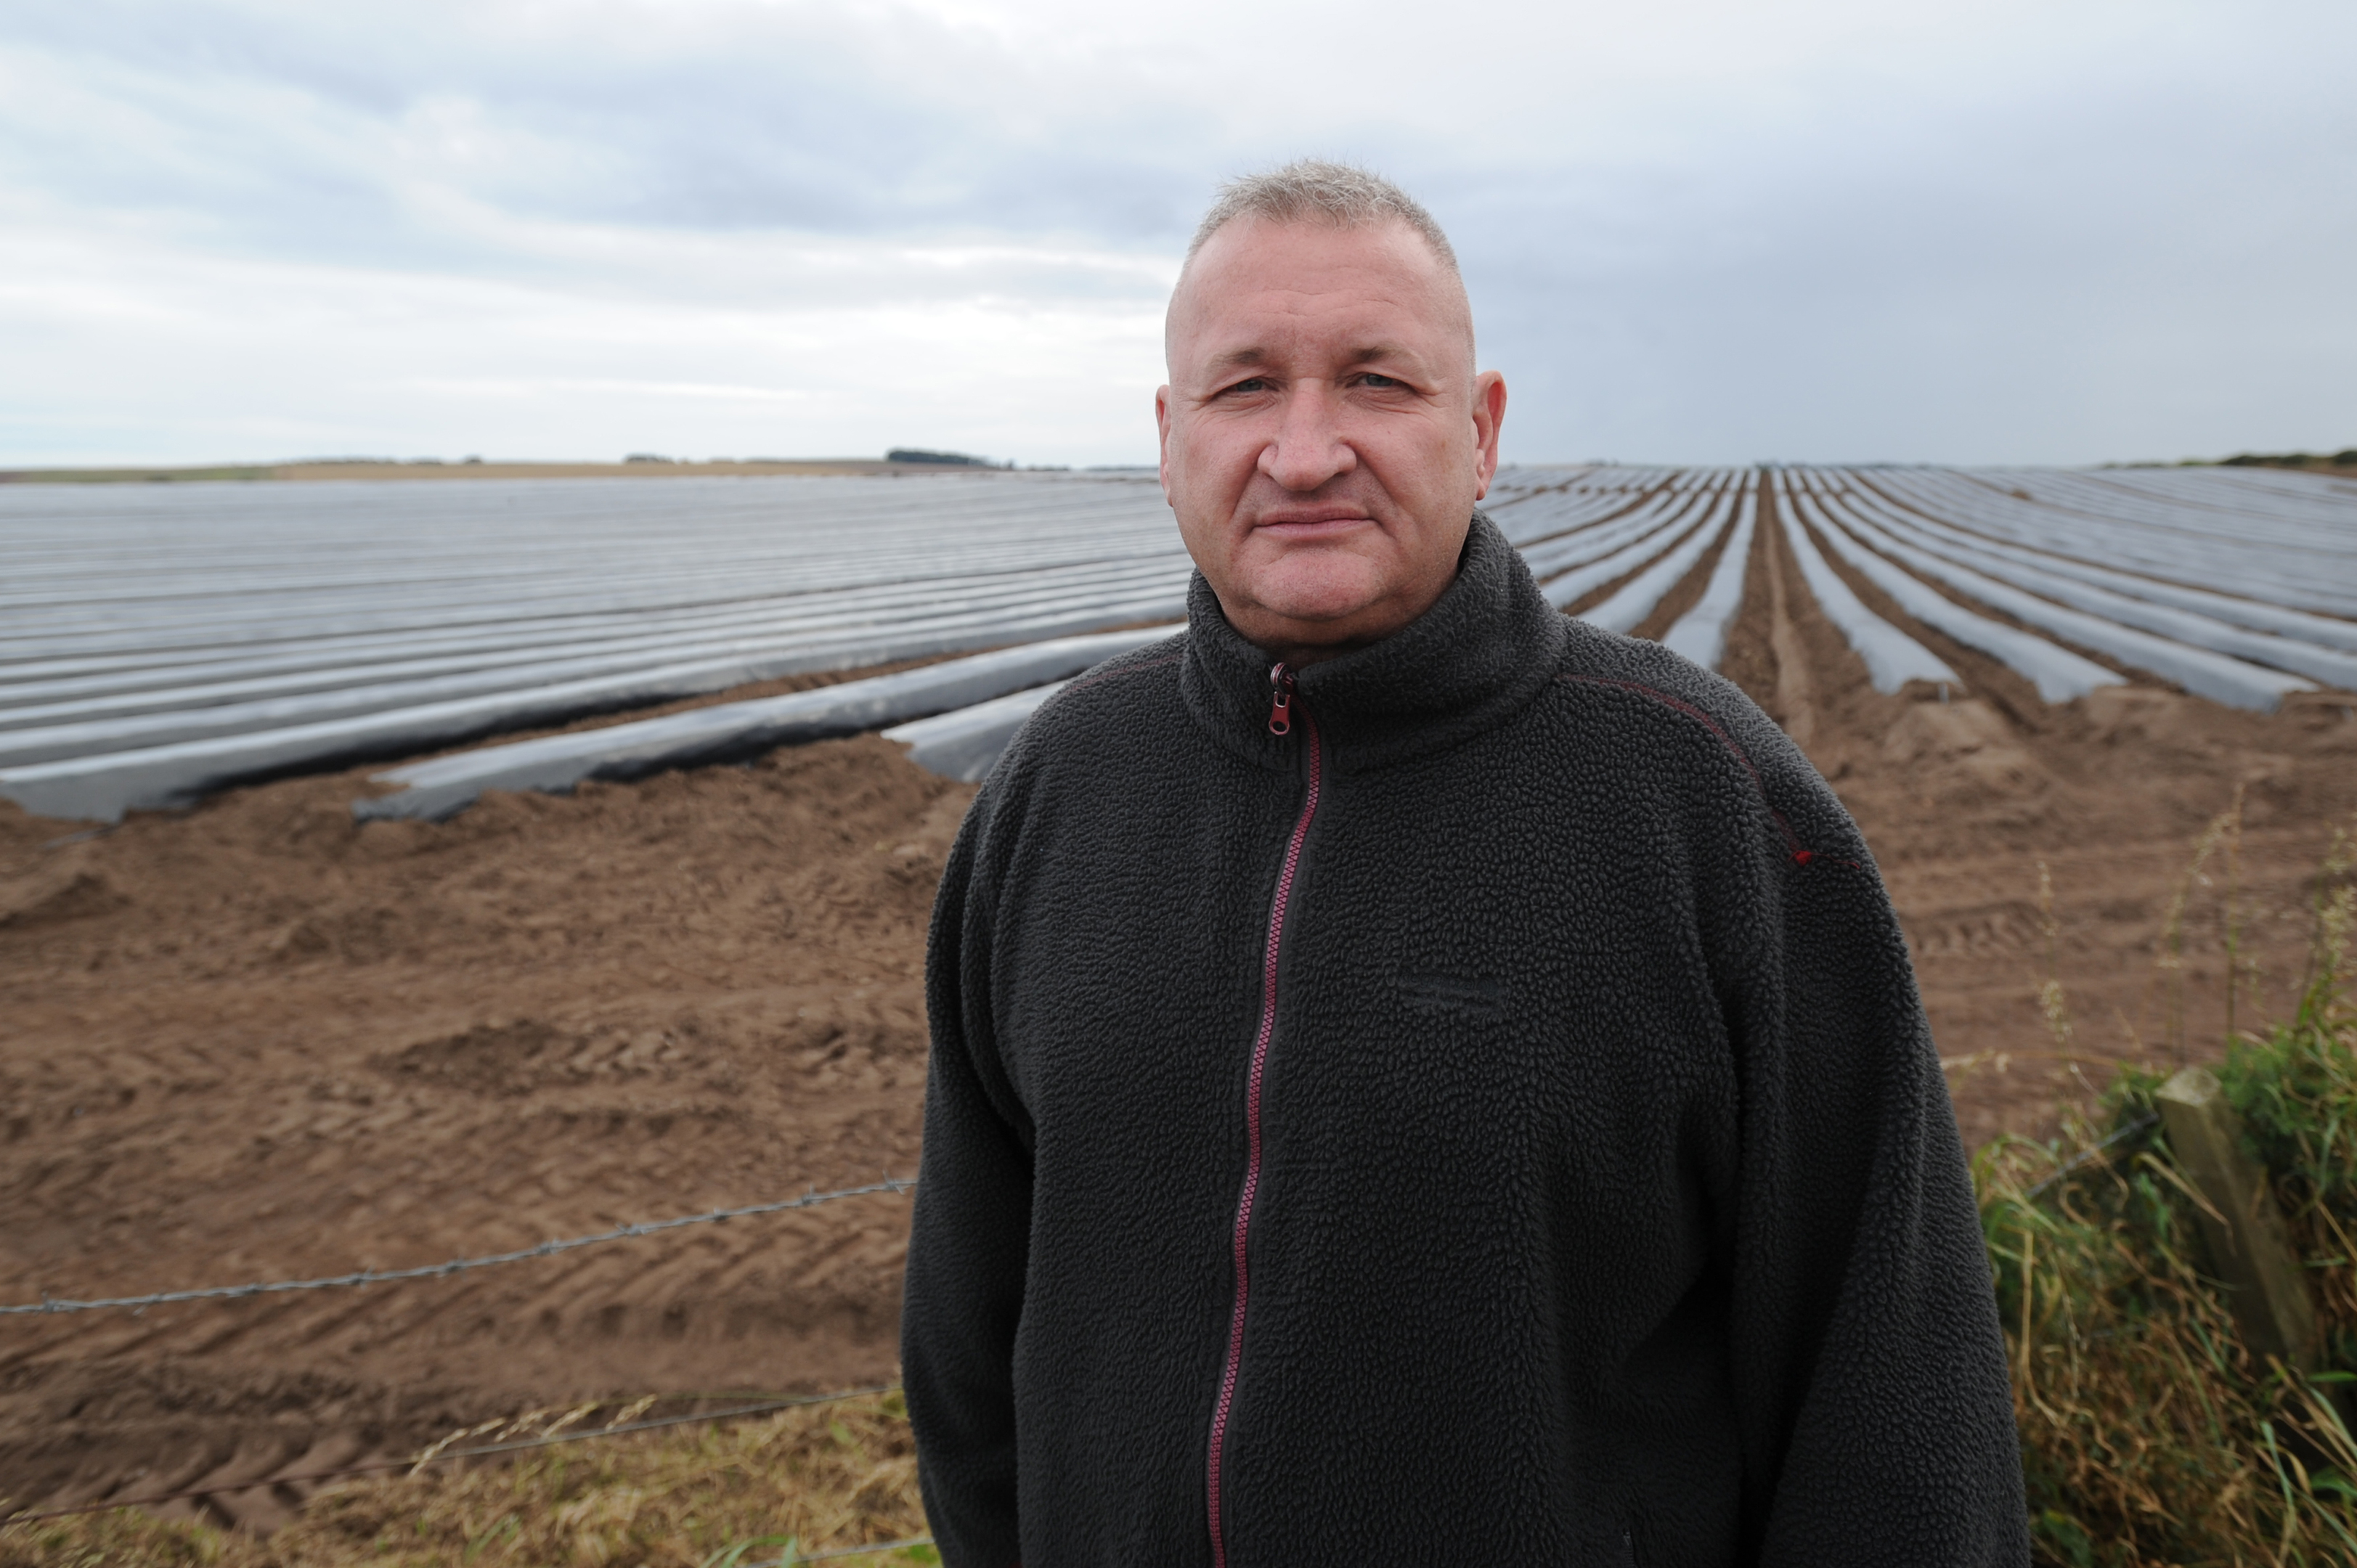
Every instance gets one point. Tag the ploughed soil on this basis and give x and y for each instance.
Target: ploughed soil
(256, 1041)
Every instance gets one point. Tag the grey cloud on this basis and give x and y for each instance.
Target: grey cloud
(801, 121)
(2059, 248)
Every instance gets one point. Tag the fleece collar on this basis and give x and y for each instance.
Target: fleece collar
(1471, 661)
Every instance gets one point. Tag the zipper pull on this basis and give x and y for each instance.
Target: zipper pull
(1280, 705)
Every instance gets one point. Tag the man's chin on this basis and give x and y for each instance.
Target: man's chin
(1334, 610)
(1318, 623)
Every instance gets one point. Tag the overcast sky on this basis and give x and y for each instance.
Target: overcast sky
(1695, 231)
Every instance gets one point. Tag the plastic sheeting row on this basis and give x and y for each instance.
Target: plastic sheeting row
(2204, 655)
(2247, 652)
(162, 644)
(963, 709)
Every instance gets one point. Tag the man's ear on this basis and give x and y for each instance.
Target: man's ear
(1162, 434)
(1489, 415)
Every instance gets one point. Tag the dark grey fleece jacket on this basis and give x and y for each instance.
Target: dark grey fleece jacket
(1492, 1121)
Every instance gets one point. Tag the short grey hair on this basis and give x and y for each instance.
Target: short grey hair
(1309, 190)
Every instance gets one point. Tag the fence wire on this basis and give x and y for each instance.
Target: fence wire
(2087, 1157)
(456, 1265)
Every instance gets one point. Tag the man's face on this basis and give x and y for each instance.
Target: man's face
(1324, 438)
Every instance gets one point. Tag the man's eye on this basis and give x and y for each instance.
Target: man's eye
(1384, 382)
(1250, 384)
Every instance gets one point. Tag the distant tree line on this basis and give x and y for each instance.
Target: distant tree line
(950, 459)
(2346, 458)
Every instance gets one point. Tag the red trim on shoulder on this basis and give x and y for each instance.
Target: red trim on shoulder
(1791, 840)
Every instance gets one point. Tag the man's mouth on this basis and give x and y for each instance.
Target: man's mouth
(1310, 522)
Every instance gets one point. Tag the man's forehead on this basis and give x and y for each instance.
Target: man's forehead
(1313, 258)
(1261, 349)
(1259, 289)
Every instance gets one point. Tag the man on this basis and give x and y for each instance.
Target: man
(1418, 1080)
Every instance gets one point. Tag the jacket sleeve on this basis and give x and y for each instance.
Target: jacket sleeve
(1877, 1414)
(969, 1242)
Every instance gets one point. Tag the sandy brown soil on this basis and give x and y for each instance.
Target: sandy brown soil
(256, 1041)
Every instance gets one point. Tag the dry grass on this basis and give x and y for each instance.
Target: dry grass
(2150, 1434)
(718, 1497)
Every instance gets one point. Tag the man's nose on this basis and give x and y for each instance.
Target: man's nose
(1309, 448)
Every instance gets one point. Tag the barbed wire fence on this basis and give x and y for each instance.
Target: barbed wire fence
(48, 1303)
(441, 1452)
(2099, 1154)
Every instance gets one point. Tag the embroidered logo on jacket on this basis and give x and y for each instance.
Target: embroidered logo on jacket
(1477, 995)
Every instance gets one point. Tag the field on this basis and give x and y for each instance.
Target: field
(253, 1038)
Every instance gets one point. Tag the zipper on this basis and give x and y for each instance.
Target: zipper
(1281, 718)
(1280, 699)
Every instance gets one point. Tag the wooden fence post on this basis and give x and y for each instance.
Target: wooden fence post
(2252, 1248)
